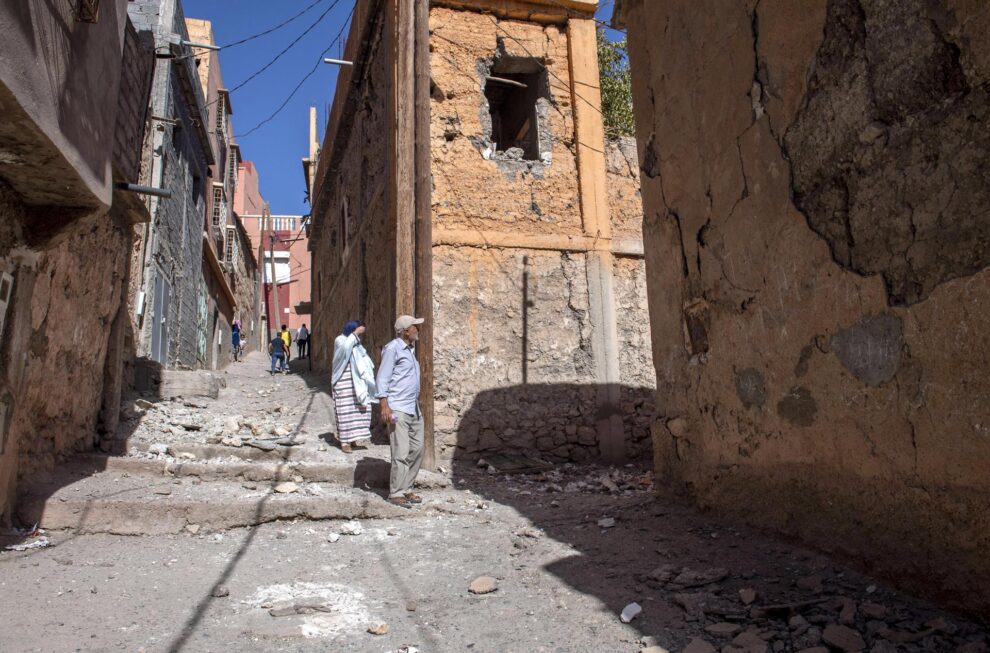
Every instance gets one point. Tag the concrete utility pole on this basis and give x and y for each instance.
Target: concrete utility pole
(266, 215)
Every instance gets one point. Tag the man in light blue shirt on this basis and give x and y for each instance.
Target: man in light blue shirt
(398, 395)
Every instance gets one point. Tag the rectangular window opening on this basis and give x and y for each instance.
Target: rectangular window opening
(512, 90)
(229, 252)
(217, 205)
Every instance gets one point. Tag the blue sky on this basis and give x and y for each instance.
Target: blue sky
(278, 146)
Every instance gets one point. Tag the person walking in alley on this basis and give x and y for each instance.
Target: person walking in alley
(302, 340)
(235, 340)
(398, 393)
(286, 336)
(352, 385)
(277, 350)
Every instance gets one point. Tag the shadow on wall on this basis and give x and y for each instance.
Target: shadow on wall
(556, 421)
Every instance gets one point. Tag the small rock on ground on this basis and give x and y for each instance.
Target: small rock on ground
(698, 646)
(378, 628)
(483, 585)
(843, 638)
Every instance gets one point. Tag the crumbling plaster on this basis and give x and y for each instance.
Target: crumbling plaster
(832, 394)
(55, 341)
(514, 363)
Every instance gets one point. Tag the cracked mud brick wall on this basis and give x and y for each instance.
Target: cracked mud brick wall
(55, 340)
(816, 232)
(513, 326)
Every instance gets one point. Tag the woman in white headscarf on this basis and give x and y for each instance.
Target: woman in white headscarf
(352, 385)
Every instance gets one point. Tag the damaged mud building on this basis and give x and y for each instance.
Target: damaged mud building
(814, 180)
(523, 253)
(102, 288)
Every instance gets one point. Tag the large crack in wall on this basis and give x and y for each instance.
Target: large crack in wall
(891, 151)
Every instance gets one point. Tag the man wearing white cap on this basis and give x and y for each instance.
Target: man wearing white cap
(398, 394)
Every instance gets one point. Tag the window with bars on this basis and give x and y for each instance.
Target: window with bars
(230, 253)
(221, 112)
(232, 171)
(218, 206)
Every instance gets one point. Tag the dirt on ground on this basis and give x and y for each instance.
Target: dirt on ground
(544, 562)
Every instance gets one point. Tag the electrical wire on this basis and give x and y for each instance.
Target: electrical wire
(271, 29)
(319, 61)
(288, 47)
(579, 14)
(549, 72)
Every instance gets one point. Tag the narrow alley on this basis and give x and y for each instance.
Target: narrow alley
(603, 326)
(222, 553)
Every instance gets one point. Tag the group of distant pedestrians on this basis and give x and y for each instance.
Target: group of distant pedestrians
(280, 347)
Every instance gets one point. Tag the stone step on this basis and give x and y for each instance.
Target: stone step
(362, 472)
(116, 502)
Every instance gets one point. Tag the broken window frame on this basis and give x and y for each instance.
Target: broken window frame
(511, 82)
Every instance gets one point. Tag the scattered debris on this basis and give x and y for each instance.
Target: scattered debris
(158, 449)
(286, 488)
(264, 445)
(220, 591)
(39, 543)
(606, 522)
(747, 596)
(333, 537)
(698, 646)
(723, 629)
(299, 608)
(843, 638)
(504, 463)
(630, 612)
(352, 527)
(192, 528)
(483, 585)
(378, 628)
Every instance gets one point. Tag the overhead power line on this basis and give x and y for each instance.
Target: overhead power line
(288, 47)
(272, 29)
(316, 66)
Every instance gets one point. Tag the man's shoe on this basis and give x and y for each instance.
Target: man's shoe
(413, 498)
(399, 501)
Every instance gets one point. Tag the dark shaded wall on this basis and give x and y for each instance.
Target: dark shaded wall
(817, 236)
(353, 239)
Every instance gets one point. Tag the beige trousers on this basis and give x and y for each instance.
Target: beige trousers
(406, 439)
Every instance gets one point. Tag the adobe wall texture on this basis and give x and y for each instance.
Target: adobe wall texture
(817, 236)
(354, 265)
(65, 301)
(514, 360)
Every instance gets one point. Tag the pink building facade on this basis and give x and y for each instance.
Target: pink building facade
(291, 254)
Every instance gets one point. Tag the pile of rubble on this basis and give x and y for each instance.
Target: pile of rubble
(815, 614)
(572, 479)
(155, 429)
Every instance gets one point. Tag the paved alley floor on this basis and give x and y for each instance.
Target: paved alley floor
(565, 551)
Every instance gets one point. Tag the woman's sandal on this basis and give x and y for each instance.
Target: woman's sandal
(413, 498)
(345, 447)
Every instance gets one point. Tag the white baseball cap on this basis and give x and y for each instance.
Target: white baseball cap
(406, 321)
